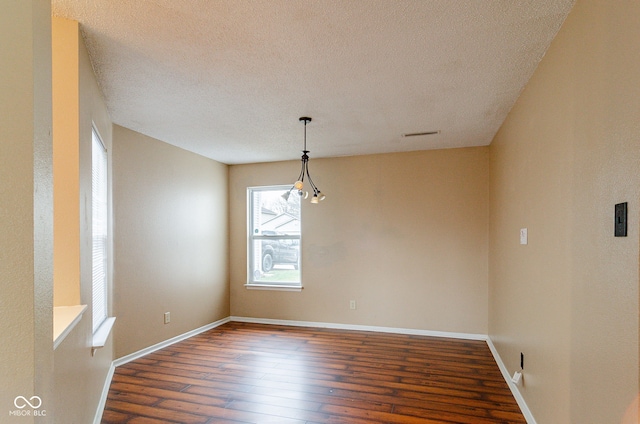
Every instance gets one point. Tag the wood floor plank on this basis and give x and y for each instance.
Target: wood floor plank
(267, 416)
(166, 414)
(114, 417)
(253, 373)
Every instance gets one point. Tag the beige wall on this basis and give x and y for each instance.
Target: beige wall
(569, 151)
(66, 162)
(26, 212)
(405, 235)
(78, 376)
(170, 241)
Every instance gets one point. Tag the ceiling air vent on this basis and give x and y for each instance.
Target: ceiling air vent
(421, 133)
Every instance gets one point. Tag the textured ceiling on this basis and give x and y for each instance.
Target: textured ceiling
(228, 79)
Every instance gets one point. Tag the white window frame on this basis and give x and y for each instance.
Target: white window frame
(99, 231)
(253, 236)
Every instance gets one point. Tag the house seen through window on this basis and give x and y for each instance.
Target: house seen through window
(274, 237)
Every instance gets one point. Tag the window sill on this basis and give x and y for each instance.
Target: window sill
(101, 334)
(64, 319)
(273, 287)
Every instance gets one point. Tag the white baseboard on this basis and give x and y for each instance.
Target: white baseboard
(467, 336)
(410, 331)
(168, 342)
(103, 396)
(514, 388)
(135, 355)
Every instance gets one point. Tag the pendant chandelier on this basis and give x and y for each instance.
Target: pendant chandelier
(304, 172)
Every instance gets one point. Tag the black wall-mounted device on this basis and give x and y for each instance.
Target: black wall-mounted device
(621, 220)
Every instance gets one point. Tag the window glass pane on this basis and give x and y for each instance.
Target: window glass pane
(274, 241)
(99, 230)
(272, 214)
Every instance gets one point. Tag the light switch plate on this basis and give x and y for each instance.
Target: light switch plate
(524, 236)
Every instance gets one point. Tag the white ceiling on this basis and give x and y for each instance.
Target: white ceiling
(228, 79)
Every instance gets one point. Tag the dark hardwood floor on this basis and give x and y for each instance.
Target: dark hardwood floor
(252, 373)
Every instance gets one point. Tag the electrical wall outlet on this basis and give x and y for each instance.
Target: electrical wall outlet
(352, 304)
(167, 317)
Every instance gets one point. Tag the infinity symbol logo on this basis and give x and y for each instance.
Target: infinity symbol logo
(37, 402)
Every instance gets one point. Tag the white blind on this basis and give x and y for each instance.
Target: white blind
(99, 229)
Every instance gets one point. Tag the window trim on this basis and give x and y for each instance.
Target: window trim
(261, 285)
(276, 287)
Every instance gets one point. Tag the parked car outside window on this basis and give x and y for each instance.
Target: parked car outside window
(279, 251)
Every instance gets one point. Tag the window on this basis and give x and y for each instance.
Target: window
(99, 219)
(274, 237)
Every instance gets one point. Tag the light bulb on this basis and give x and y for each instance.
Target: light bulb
(298, 185)
(321, 196)
(314, 199)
